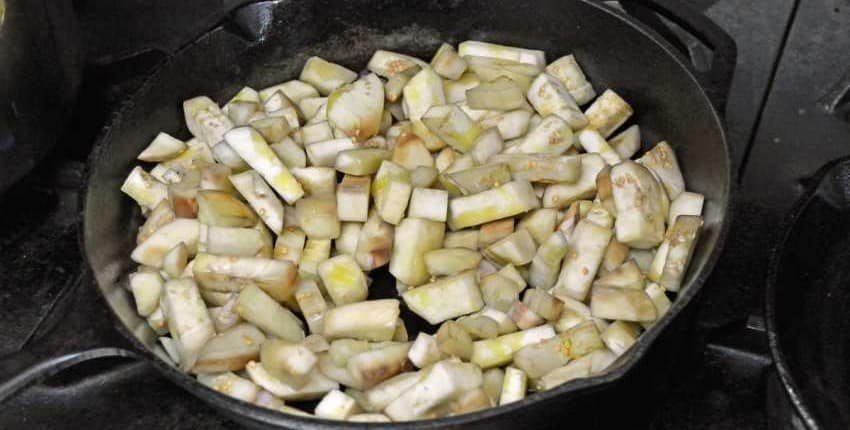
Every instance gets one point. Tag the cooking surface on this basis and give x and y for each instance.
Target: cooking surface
(791, 63)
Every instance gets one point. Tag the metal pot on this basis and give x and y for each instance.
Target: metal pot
(807, 301)
(266, 43)
(40, 67)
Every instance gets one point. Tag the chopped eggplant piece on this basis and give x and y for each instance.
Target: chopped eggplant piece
(231, 350)
(504, 321)
(513, 386)
(229, 273)
(315, 251)
(563, 194)
(462, 239)
(411, 154)
(549, 97)
(523, 316)
(446, 380)
(161, 215)
(455, 90)
(274, 129)
(506, 200)
(425, 89)
(188, 320)
(499, 292)
(152, 251)
(593, 142)
(252, 147)
(358, 162)
(454, 341)
(511, 124)
(194, 156)
(445, 298)
(500, 94)
(318, 217)
(336, 405)
(284, 359)
(674, 254)
(661, 159)
(325, 153)
(205, 120)
(518, 249)
(316, 386)
(424, 351)
(662, 303)
(372, 367)
(375, 244)
(620, 336)
(628, 275)
(414, 237)
(625, 304)
(343, 280)
(538, 359)
(641, 205)
(260, 309)
(388, 63)
(627, 143)
(174, 262)
(231, 241)
(290, 245)
(568, 71)
(447, 63)
(147, 290)
(581, 340)
(162, 148)
(292, 155)
(294, 90)
(607, 113)
(492, 383)
(453, 126)
(391, 191)
(261, 198)
(525, 56)
(541, 168)
(451, 261)
(687, 203)
(348, 321)
(352, 198)
(316, 181)
(489, 353)
(312, 304)
(480, 326)
(231, 385)
(349, 234)
(494, 231)
(146, 190)
(318, 132)
(573, 370)
(552, 136)
(479, 179)
(325, 76)
(546, 264)
(543, 304)
(587, 246)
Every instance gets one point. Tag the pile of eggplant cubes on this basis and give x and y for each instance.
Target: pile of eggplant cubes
(512, 220)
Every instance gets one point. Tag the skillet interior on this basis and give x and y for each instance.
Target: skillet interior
(614, 53)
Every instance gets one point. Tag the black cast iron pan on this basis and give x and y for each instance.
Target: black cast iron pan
(808, 295)
(266, 43)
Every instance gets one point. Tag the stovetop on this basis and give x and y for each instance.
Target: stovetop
(782, 121)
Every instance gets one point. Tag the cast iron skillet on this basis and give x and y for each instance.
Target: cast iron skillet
(808, 298)
(266, 43)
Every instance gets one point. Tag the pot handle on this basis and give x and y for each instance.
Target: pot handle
(717, 80)
(24, 368)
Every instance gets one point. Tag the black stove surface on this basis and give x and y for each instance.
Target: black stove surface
(782, 120)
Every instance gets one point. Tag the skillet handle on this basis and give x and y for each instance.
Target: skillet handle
(25, 368)
(717, 80)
